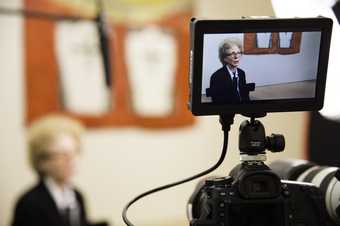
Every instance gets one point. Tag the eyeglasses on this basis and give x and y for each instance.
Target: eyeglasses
(234, 54)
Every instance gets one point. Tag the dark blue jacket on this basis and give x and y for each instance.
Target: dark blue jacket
(221, 90)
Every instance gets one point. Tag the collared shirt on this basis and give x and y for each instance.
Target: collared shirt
(65, 198)
(232, 74)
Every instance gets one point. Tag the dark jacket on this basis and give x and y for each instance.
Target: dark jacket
(37, 208)
(221, 90)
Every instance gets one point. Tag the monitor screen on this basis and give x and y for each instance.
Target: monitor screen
(275, 74)
(243, 66)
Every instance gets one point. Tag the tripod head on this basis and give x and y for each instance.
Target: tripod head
(253, 141)
(252, 177)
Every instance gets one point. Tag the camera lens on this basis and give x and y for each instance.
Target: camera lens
(324, 177)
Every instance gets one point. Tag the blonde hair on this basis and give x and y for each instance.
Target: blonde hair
(225, 45)
(43, 131)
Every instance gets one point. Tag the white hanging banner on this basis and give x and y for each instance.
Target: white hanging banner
(151, 60)
(81, 69)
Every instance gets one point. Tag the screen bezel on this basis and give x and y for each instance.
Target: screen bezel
(201, 27)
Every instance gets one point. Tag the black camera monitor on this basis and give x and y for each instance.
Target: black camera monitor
(258, 65)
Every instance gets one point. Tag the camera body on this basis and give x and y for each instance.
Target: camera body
(253, 195)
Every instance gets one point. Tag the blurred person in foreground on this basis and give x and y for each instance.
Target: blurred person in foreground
(54, 144)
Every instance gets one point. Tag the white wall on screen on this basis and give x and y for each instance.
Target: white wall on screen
(266, 69)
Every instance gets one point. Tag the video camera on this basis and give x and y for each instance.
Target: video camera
(252, 67)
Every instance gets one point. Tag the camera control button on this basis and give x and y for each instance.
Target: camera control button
(286, 193)
(220, 181)
(231, 193)
(223, 181)
(209, 182)
(284, 186)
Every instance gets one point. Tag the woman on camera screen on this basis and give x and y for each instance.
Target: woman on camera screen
(228, 84)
